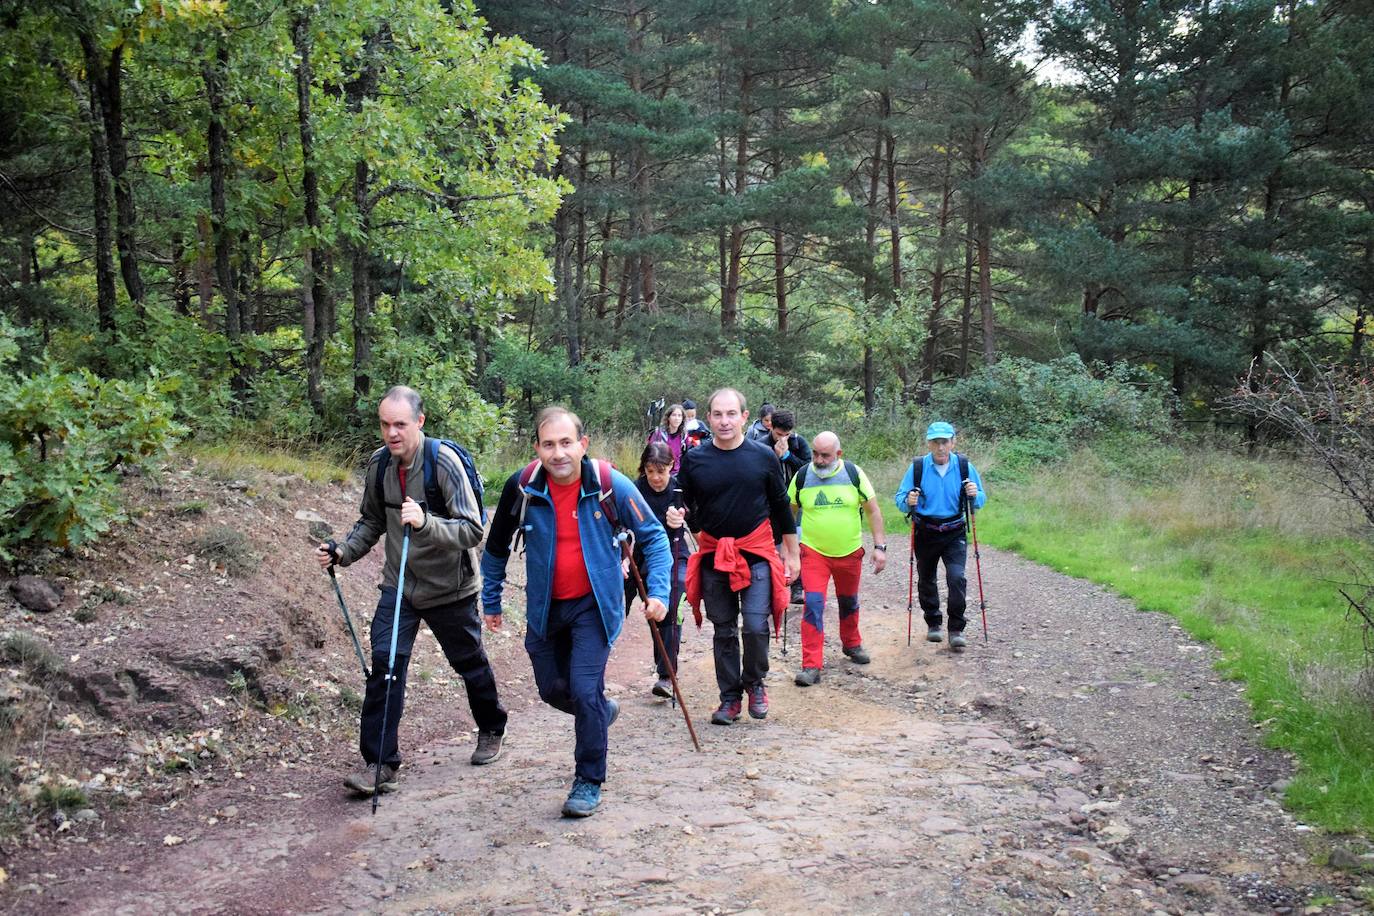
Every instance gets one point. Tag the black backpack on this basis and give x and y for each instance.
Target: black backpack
(918, 478)
(434, 497)
(850, 468)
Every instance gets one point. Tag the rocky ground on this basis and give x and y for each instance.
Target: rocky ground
(198, 703)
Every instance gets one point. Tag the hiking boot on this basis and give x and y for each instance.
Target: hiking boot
(615, 713)
(663, 688)
(583, 800)
(808, 677)
(798, 596)
(935, 634)
(858, 655)
(758, 702)
(488, 747)
(726, 713)
(957, 641)
(363, 781)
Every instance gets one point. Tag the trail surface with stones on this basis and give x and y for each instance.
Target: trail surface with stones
(1087, 759)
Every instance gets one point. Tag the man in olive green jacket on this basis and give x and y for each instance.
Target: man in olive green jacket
(440, 583)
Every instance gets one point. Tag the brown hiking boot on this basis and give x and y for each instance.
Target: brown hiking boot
(363, 781)
(488, 747)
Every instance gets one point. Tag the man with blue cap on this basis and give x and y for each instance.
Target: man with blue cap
(934, 494)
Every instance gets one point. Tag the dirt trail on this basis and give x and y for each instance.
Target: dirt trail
(1066, 766)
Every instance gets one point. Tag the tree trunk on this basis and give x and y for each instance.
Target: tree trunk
(984, 243)
(563, 253)
(181, 281)
(1358, 334)
(364, 281)
(623, 292)
(870, 259)
(88, 101)
(937, 282)
(779, 238)
(966, 325)
(213, 75)
(729, 308)
(363, 284)
(313, 321)
(780, 275)
(205, 268)
(106, 79)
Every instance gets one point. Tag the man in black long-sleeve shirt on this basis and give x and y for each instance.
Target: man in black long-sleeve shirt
(734, 496)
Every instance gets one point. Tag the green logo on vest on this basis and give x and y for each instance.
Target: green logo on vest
(821, 500)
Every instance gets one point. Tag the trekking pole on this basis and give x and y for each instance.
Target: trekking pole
(978, 566)
(911, 578)
(391, 663)
(628, 553)
(348, 621)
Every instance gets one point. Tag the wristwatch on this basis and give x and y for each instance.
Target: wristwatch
(882, 547)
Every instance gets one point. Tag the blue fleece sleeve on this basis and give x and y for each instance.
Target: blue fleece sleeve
(497, 553)
(982, 497)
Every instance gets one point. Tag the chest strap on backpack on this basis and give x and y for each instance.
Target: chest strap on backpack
(918, 479)
(605, 496)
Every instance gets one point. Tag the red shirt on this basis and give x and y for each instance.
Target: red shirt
(570, 578)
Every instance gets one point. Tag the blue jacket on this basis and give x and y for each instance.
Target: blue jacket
(940, 495)
(600, 549)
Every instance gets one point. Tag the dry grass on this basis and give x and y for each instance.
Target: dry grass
(235, 459)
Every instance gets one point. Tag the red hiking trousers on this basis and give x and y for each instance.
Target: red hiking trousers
(816, 572)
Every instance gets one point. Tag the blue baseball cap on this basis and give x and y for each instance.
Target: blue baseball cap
(939, 430)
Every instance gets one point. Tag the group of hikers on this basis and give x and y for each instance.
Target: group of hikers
(739, 519)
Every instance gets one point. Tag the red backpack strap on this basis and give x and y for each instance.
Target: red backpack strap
(526, 477)
(607, 495)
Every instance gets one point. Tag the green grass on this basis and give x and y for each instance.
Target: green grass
(1245, 555)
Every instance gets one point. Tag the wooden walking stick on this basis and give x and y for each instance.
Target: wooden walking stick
(627, 551)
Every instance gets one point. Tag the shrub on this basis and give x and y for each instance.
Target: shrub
(32, 654)
(225, 545)
(1063, 400)
(63, 437)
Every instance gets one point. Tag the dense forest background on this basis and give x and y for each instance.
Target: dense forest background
(251, 216)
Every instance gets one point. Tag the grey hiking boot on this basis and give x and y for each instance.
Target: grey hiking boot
(663, 688)
(488, 747)
(615, 711)
(808, 677)
(935, 634)
(583, 800)
(858, 655)
(727, 713)
(363, 781)
(957, 641)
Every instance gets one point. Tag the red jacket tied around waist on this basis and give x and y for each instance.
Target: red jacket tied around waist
(727, 556)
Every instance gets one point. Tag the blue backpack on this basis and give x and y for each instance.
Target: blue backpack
(434, 497)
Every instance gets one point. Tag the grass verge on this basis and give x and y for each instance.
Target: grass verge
(237, 458)
(1244, 554)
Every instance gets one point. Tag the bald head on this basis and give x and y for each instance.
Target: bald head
(825, 450)
(408, 396)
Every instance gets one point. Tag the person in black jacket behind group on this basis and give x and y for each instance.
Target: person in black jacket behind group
(660, 490)
(793, 454)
